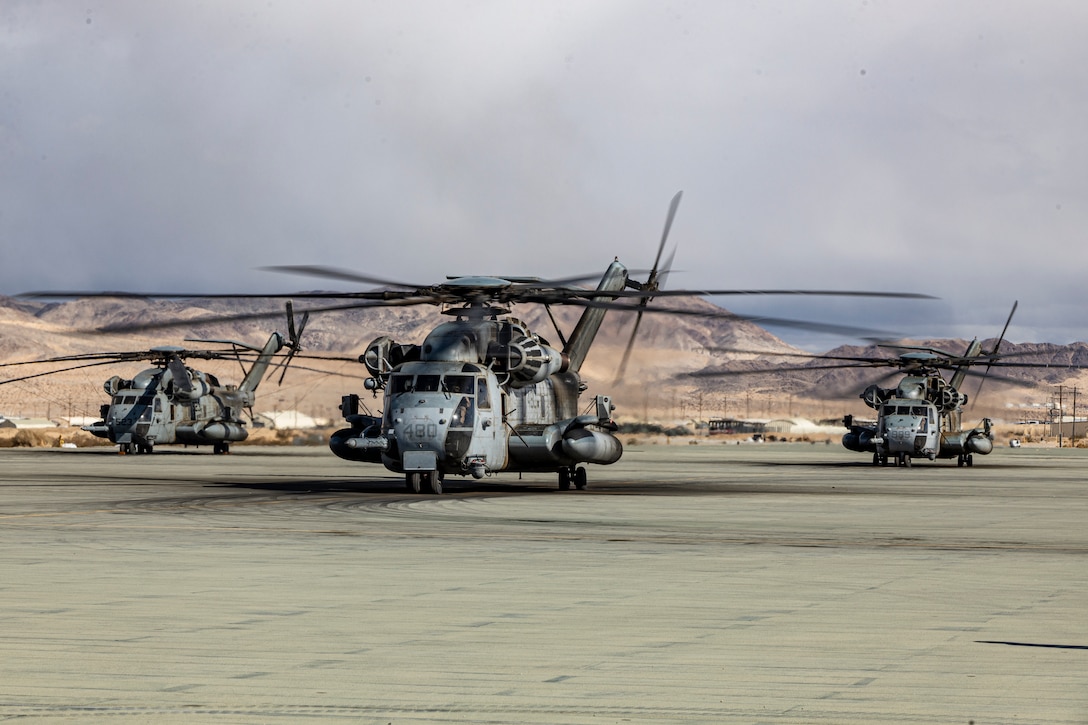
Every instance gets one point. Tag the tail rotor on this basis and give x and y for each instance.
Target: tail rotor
(658, 275)
(294, 337)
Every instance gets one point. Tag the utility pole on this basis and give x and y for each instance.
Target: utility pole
(1073, 434)
(1061, 417)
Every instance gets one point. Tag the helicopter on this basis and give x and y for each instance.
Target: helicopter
(172, 403)
(922, 416)
(483, 393)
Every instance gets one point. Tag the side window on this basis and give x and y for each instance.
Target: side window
(483, 398)
(462, 415)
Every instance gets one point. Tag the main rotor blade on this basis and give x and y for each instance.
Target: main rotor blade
(342, 275)
(783, 369)
(757, 292)
(246, 316)
(54, 372)
(93, 294)
(810, 356)
(848, 330)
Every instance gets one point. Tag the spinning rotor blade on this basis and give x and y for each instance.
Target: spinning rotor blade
(860, 332)
(760, 292)
(997, 346)
(341, 275)
(293, 341)
(652, 284)
(54, 372)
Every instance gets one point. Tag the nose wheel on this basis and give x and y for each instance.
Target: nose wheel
(423, 481)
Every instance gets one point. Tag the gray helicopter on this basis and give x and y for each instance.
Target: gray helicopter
(484, 394)
(172, 403)
(922, 416)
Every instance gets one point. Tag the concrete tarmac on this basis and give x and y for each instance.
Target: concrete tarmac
(782, 583)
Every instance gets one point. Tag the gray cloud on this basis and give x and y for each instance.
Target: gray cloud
(919, 146)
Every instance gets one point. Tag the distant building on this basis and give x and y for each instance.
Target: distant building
(287, 420)
(734, 425)
(26, 423)
(801, 426)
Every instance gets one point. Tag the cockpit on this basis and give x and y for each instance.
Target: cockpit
(922, 411)
(132, 406)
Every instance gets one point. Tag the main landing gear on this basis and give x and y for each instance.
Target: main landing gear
(128, 448)
(900, 459)
(574, 475)
(965, 459)
(423, 481)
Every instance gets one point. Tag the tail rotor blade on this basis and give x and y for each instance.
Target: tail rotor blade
(293, 342)
(652, 284)
(291, 322)
(993, 353)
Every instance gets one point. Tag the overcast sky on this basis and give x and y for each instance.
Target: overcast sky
(922, 146)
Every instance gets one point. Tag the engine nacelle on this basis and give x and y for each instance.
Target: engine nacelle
(949, 399)
(874, 396)
(115, 384)
(527, 360)
(383, 354)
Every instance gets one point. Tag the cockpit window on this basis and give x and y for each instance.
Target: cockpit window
(919, 410)
(427, 383)
(400, 384)
(464, 384)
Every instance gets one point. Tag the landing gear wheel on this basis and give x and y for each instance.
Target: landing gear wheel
(876, 459)
(564, 479)
(903, 459)
(412, 481)
(125, 449)
(970, 460)
(580, 478)
(961, 460)
(433, 480)
(221, 448)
